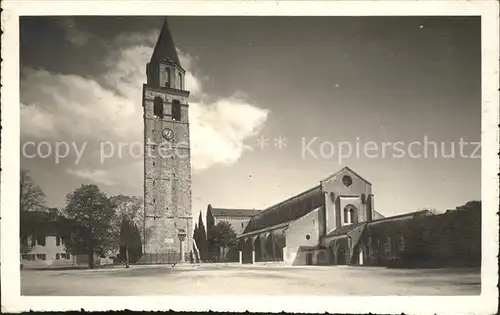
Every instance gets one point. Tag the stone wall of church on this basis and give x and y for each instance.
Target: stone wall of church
(302, 233)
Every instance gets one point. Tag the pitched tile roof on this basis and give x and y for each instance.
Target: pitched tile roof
(268, 229)
(288, 210)
(224, 212)
(404, 215)
(344, 229)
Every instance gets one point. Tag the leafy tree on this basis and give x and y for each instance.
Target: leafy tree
(31, 196)
(202, 239)
(224, 237)
(131, 208)
(211, 246)
(431, 210)
(26, 247)
(471, 205)
(93, 214)
(130, 242)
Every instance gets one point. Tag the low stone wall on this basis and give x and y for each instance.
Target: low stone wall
(165, 258)
(447, 240)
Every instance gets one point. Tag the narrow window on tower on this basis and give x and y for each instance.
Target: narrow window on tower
(180, 82)
(167, 77)
(158, 107)
(176, 110)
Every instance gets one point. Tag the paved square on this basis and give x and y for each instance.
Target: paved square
(238, 279)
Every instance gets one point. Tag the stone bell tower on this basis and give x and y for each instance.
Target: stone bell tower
(167, 158)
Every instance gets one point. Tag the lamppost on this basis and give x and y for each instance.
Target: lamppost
(182, 236)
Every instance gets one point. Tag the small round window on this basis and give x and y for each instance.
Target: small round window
(308, 237)
(347, 181)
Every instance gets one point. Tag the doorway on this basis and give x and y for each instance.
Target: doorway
(309, 259)
(341, 256)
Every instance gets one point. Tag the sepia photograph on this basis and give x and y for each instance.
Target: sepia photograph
(274, 155)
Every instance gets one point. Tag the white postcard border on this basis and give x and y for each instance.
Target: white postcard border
(10, 272)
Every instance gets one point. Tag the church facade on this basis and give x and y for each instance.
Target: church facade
(167, 159)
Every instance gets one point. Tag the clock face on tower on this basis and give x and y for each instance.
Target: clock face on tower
(168, 133)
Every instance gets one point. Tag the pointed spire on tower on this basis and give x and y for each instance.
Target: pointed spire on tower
(165, 48)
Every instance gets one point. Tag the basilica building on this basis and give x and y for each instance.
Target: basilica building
(335, 223)
(300, 229)
(324, 225)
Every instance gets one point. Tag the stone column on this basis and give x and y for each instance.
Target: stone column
(263, 250)
(241, 256)
(253, 256)
(284, 254)
(181, 251)
(182, 237)
(274, 245)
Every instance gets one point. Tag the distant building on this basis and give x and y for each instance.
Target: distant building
(43, 237)
(237, 218)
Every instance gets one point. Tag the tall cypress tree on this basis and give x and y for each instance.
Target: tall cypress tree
(195, 233)
(210, 235)
(196, 239)
(202, 236)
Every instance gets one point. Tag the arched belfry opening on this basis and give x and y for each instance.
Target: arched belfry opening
(181, 84)
(168, 77)
(176, 110)
(158, 107)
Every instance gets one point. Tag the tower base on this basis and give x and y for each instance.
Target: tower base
(165, 258)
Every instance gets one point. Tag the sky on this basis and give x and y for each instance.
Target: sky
(275, 105)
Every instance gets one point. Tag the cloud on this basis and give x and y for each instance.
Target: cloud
(71, 107)
(96, 176)
(107, 108)
(222, 129)
(72, 34)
